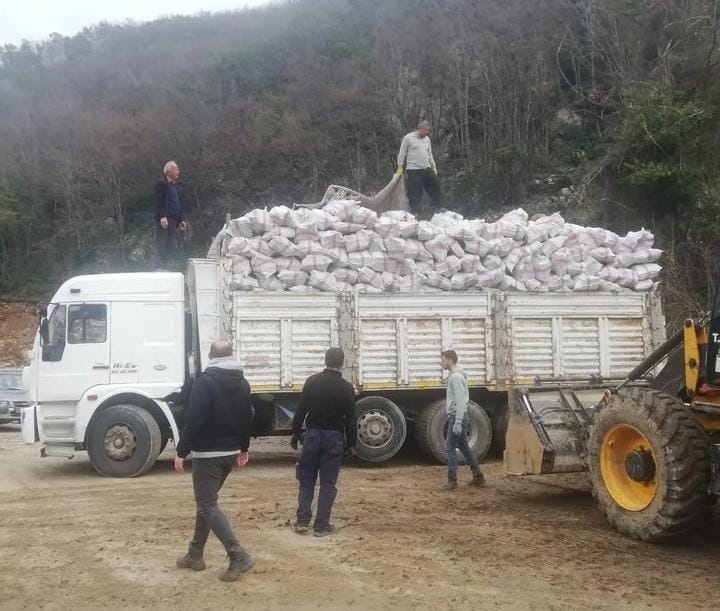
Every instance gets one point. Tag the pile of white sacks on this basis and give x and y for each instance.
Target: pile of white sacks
(344, 246)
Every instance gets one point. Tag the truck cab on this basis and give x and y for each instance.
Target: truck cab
(108, 349)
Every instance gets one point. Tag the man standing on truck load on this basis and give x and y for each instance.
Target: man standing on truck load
(417, 159)
(458, 419)
(217, 432)
(328, 402)
(168, 214)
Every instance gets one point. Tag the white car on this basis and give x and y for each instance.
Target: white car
(13, 397)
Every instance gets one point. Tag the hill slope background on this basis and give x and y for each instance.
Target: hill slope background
(603, 109)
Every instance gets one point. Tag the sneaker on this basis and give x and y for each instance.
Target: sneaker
(300, 529)
(478, 480)
(451, 485)
(324, 532)
(240, 562)
(191, 562)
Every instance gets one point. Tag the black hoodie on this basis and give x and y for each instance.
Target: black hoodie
(219, 416)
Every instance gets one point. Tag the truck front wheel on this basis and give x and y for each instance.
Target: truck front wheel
(123, 441)
(381, 429)
(431, 429)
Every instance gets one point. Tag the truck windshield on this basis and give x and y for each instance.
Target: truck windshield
(53, 349)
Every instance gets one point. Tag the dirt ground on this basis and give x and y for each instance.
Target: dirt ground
(18, 322)
(70, 539)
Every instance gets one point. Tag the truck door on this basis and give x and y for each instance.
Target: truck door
(148, 340)
(76, 355)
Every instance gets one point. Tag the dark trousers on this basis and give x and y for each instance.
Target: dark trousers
(322, 454)
(209, 475)
(165, 243)
(459, 442)
(419, 181)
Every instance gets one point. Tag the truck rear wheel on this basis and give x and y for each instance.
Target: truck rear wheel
(123, 441)
(649, 464)
(381, 429)
(431, 430)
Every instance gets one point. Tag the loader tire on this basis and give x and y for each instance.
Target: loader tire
(123, 441)
(649, 465)
(431, 429)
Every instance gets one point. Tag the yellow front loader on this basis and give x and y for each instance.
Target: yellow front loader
(651, 445)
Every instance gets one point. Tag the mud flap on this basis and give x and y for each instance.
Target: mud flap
(28, 425)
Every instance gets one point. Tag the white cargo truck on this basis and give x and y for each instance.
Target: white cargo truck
(112, 347)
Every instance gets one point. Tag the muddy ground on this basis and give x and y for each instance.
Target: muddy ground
(72, 540)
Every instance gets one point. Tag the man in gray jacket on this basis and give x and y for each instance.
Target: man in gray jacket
(458, 419)
(416, 158)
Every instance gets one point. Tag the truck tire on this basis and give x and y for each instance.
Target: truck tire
(381, 429)
(499, 418)
(649, 465)
(123, 441)
(430, 431)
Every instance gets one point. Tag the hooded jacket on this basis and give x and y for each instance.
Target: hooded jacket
(219, 417)
(457, 396)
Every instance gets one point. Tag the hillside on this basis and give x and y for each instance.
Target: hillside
(606, 111)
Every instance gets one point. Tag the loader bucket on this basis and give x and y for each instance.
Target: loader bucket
(548, 428)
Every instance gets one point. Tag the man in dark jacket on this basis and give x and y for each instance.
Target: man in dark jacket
(217, 432)
(328, 403)
(168, 214)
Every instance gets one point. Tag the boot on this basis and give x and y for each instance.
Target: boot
(191, 561)
(451, 485)
(240, 562)
(300, 528)
(478, 480)
(325, 531)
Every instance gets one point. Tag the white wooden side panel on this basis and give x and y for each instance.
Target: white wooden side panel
(580, 353)
(424, 343)
(281, 338)
(577, 336)
(378, 358)
(310, 340)
(626, 344)
(258, 348)
(401, 337)
(468, 335)
(532, 347)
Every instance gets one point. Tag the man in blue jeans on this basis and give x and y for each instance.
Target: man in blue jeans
(458, 419)
(327, 407)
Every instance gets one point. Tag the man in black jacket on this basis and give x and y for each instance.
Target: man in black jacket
(328, 403)
(217, 432)
(168, 214)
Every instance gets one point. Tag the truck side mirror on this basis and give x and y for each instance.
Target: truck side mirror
(44, 332)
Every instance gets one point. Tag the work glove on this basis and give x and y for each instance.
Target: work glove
(399, 171)
(434, 169)
(457, 429)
